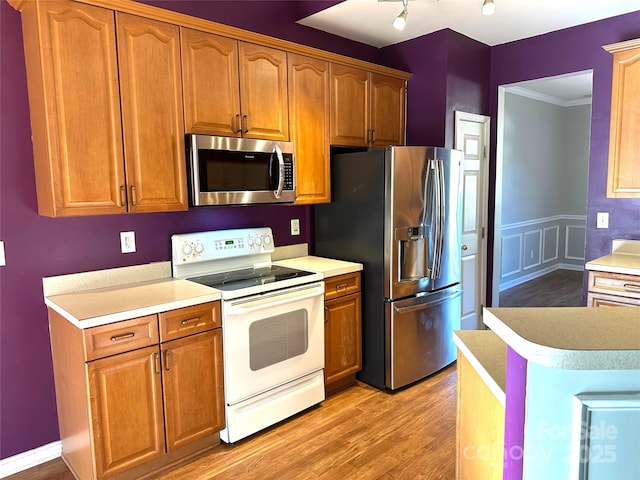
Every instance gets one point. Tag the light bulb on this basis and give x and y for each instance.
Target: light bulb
(400, 21)
(488, 7)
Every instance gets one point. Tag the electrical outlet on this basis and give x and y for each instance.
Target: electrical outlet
(602, 220)
(127, 242)
(295, 226)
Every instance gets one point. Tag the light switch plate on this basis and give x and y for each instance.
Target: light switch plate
(3, 260)
(602, 220)
(295, 226)
(127, 242)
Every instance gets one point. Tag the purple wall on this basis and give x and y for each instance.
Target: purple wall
(37, 246)
(571, 50)
(449, 72)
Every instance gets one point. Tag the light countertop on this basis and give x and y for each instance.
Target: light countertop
(573, 338)
(90, 308)
(90, 299)
(327, 266)
(624, 258)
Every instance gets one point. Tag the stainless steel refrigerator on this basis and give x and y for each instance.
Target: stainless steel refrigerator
(397, 210)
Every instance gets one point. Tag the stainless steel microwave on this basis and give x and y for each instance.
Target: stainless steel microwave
(239, 171)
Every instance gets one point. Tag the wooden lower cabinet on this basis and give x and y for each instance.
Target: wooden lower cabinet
(144, 404)
(343, 331)
(613, 289)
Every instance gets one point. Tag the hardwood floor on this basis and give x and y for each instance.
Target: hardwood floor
(560, 288)
(360, 433)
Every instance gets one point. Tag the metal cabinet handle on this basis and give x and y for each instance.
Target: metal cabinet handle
(117, 338)
(634, 287)
(246, 123)
(134, 200)
(167, 354)
(373, 136)
(156, 363)
(341, 287)
(123, 196)
(189, 320)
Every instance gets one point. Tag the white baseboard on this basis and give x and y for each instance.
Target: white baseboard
(31, 458)
(525, 278)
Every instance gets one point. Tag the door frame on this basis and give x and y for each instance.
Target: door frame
(460, 117)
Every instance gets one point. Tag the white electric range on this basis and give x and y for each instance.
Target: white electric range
(272, 325)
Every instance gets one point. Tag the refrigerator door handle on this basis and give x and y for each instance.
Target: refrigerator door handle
(440, 209)
(429, 301)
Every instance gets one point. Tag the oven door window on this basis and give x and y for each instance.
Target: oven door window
(277, 339)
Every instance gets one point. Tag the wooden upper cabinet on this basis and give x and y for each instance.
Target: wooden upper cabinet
(152, 115)
(263, 92)
(233, 89)
(387, 110)
(211, 84)
(349, 106)
(624, 138)
(309, 121)
(75, 107)
(367, 109)
(107, 122)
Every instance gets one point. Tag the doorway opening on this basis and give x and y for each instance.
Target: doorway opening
(542, 158)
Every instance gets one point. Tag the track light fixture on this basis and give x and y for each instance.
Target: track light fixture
(488, 7)
(401, 20)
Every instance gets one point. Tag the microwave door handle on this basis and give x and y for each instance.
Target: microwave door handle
(278, 152)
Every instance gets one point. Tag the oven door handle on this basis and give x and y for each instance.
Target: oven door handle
(240, 307)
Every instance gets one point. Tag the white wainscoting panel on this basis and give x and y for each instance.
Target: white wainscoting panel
(511, 254)
(550, 243)
(574, 242)
(532, 248)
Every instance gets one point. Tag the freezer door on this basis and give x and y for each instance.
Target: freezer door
(419, 338)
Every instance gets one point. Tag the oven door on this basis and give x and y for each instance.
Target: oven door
(271, 339)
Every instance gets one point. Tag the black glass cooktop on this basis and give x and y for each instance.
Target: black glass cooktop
(249, 277)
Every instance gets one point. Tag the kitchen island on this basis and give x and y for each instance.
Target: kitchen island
(550, 393)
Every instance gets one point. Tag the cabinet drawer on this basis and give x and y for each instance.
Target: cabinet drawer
(341, 285)
(603, 300)
(189, 320)
(615, 284)
(120, 337)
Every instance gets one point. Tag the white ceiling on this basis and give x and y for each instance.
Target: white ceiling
(369, 21)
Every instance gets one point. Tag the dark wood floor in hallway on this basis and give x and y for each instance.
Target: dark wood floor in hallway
(560, 288)
(358, 434)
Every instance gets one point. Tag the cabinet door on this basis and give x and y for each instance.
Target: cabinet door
(387, 110)
(126, 410)
(263, 92)
(309, 116)
(75, 108)
(624, 141)
(211, 85)
(342, 334)
(193, 388)
(152, 116)
(349, 106)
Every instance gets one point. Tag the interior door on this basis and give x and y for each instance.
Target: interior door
(472, 137)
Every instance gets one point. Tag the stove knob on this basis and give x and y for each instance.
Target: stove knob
(266, 240)
(258, 241)
(199, 248)
(250, 242)
(187, 249)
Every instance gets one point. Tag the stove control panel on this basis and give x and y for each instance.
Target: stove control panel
(221, 244)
